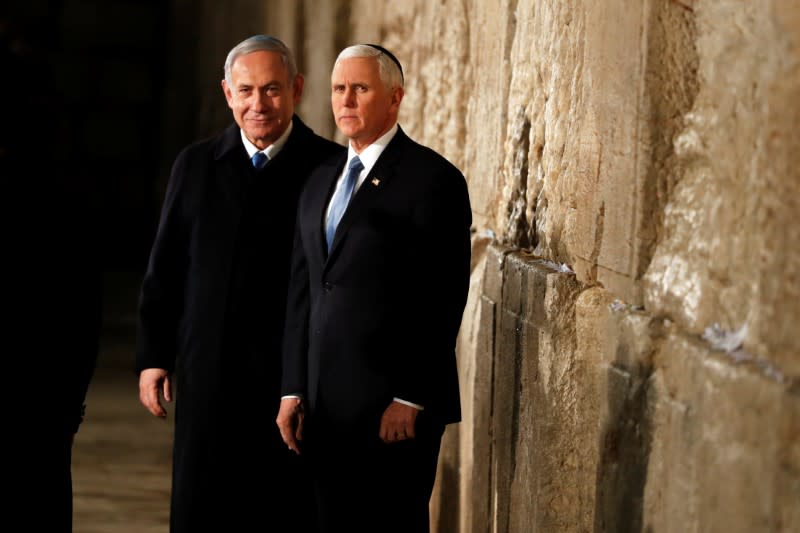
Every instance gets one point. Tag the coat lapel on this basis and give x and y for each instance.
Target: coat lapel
(230, 180)
(328, 174)
(375, 183)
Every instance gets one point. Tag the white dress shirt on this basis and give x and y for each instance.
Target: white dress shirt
(369, 156)
(271, 150)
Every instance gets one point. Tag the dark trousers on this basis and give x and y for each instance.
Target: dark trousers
(365, 485)
(247, 482)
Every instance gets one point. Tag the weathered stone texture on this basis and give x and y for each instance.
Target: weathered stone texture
(446, 95)
(625, 365)
(634, 165)
(729, 253)
(724, 444)
(537, 435)
(649, 146)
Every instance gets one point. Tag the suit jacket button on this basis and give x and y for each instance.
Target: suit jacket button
(328, 286)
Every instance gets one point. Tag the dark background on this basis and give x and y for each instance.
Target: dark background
(84, 84)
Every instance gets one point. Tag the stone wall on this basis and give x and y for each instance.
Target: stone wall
(628, 358)
(629, 353)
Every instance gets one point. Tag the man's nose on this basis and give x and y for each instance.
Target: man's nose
(349, 97)
(260, 101)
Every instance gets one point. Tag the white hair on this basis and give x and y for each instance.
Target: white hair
(388, 66)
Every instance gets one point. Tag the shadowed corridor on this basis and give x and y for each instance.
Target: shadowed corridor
(122, 454)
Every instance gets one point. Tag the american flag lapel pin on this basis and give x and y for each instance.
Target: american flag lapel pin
(376, 181)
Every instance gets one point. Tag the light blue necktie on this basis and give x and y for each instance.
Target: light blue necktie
(342, 198)
(259, 159)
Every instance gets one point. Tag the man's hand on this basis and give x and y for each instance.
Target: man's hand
(397, 422)
(151, 382)
(290, 422)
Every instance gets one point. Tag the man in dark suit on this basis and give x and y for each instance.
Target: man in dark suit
(375, 305)
(213, 300)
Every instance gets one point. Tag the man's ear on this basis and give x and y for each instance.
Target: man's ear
(228, 93)
(397, 96)
(297, 88)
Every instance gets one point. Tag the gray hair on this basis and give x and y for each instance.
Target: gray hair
(258, 43)
(388, 69)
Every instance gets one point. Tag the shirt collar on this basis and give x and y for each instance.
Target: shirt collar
(371, 153)
(271, 150)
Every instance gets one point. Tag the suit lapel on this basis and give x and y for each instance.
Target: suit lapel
(375, 183)
(328, 174)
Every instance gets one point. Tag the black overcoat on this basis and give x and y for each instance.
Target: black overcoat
(212, 311)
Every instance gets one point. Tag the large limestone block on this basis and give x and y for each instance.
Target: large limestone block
(725, 454)
(513, 336)
(538, 445)
(623, 364)
(476, 439)
(544, 90)
(728, 253)
(476, 375)
(637, 82)
(483, 104)
(594, 350)
(589, 132)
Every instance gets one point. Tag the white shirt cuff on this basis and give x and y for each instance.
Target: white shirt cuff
(297, 396)
(414, 405)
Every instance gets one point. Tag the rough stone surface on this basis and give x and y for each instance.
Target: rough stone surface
(727, 256)
(649, 147)
(725, 440)
(629, 354)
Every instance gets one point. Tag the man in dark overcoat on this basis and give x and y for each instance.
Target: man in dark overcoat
(379, 282)
(212, 302)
